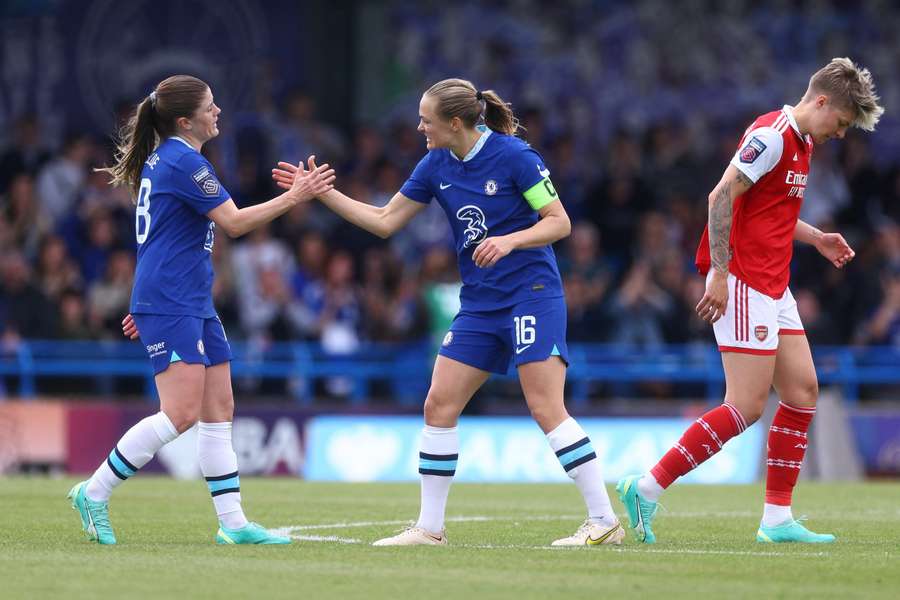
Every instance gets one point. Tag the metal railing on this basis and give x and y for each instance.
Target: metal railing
(406, 368)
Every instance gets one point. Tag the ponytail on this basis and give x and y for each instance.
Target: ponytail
(154, 119)
(459, 98)
(136, 141)
(498, 115)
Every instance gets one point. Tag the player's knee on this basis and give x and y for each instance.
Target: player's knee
(439, 410)
(540, 414)
(752, 408)
(218, 412)
(547, 415)
(752, 413)
(804, 394)
(184, 418)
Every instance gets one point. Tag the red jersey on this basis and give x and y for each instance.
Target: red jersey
(775, 156)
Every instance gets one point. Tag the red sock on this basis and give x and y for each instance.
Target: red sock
(787, 446)
(702, 439)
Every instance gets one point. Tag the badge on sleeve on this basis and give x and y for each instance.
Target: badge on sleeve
(752, 150)
(206, 181)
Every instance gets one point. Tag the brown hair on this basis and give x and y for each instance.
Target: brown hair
(459, 98)
(154, 119)
(850, 87)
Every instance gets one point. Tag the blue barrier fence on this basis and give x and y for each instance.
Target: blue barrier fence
(406, 368)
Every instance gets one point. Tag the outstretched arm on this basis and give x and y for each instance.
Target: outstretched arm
(721, 209)
(832, 246)
(308, 183)
(383, 221)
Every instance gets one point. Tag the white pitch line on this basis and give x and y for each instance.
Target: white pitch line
(343, 525)
(325, 538)
(289, 531)
(355, 524)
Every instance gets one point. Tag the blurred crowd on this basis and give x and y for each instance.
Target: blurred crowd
(636, 121)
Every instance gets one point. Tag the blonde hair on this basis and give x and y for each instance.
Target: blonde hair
(849, 86)
(459, 98)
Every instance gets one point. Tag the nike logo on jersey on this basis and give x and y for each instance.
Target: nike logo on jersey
(444, 187)
(795, 156)
(801, 445)
(543, 172)
(523, 349)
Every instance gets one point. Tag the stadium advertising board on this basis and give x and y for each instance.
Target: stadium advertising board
(510, 449)
(878, 440)
(266, 441)
(32, 436)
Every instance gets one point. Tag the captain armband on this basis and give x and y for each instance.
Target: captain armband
(541, 194)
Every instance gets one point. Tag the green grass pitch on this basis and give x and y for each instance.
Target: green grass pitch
(499, 536)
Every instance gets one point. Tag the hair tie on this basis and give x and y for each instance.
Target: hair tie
(153, 99)
(479, 96)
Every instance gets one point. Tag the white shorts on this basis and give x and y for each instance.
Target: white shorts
(753, 321)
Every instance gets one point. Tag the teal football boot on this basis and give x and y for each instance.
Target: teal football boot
(640, 510)
(94, 515)
(251, 533)
(791, 531)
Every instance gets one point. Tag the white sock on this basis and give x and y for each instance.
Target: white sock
(650, 488)
(218, 463)
(776, 514)
(576, 454)
(438, 453)
(133, 451)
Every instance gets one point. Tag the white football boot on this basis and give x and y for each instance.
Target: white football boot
(594, 534)
(414, 536)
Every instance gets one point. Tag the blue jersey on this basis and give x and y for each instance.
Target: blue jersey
(483, 196)
(174, 273)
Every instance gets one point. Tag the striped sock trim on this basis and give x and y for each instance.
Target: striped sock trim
(119, 465)
(737, 416)
(576, 454)
(438, 464)
(798, 409)
(224, 484)
(687, 455)
(709, 430)
(787, 431)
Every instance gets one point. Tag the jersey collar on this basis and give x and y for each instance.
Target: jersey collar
(182, 140)
(788, 110)
(485, 134)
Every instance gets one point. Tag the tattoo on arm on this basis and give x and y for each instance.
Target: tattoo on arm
(720, 214)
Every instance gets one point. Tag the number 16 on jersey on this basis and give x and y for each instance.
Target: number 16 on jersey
(525, 333)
